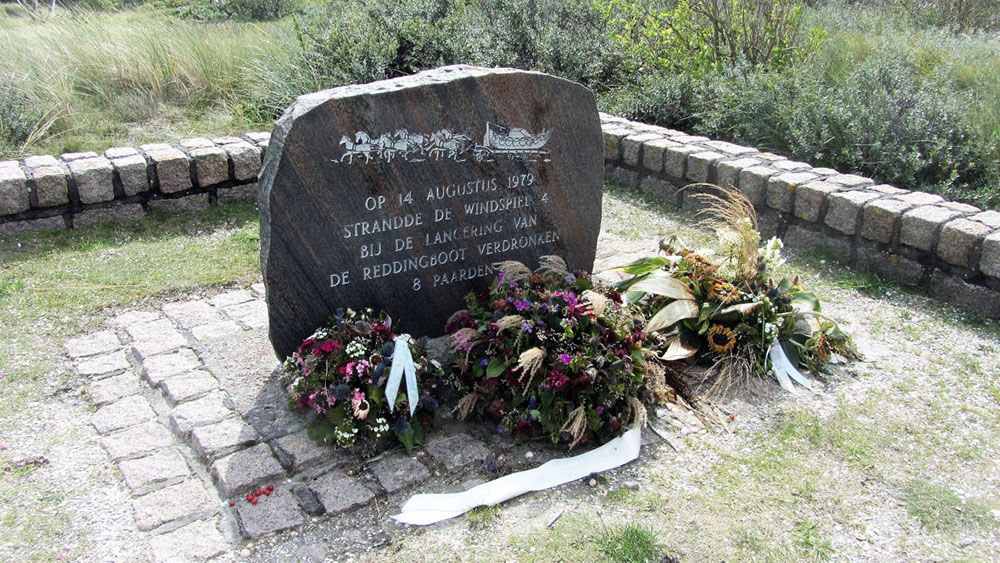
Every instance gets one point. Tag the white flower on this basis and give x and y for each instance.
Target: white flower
(355, 349)
(771, 253)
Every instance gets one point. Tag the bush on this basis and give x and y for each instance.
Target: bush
(20, 120)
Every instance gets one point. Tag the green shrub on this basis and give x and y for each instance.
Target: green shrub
(20, 120)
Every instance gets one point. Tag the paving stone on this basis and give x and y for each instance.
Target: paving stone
(93, 178)
(457, 451)
(298, 451)
(881, 217)
(185, 387)
(632, 147)
(612, 143)
(10, 228)
(151, 329)
(187, 204)
(959, 239)
(133, 171)
(989, 218)
(198, 541)
(398, 472)
(273, 513)
(989, 262)
(119, 213)
(339, 493)
(307, 499)
(158, 469)
(920, 226)
(91, 344)
(119, 152)
(753, 182)
(222, 438)
(844, 209)
(209, 409)
(211, 164)
(190, 314)
(781, 189)
(652, 153)
(217, 329)
(171, 503)
(109, 390)
(246, 469)
(129, 318)
(71, 156)
(849, 180)
(13, 188)
(103, 364)
(727, 172)
(260, 291)
(950, 289)
(251, 313)
(138, 440)
(157, 368)
(810, 199)
(51, 185)
(920, 198)
(173, 170)
(245, 159)
(729, 149)
(122, 413)
(167, 342)
(701, 166)
(675, 160)
(231, 298)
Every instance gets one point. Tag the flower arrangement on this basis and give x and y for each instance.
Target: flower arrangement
(546, 355)
(733, 314)
(338, 376)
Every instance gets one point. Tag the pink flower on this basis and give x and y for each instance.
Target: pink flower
(565, 359)
(360, 405)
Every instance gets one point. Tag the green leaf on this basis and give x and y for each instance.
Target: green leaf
(676, 311)
(496, 367)
(322, 432)
(634, 296)
(805, 301)
(644, 266)
(665, 286)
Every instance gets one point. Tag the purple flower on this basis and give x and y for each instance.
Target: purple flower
(526, 327)
(484, 362)
(565, 359)
(522, 304)
(600, 409)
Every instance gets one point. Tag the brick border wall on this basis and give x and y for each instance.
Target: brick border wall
(124, 184)
(950, 250)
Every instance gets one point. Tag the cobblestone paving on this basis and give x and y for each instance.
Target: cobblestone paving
(192, 413)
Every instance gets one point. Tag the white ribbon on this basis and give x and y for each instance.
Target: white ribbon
(783, 368)
(402, 362)
(428, 509)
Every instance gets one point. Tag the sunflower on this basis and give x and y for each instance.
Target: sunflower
(723, 292)
(721, 339)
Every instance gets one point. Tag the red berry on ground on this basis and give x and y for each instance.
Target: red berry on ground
(253, 501)
(232, 503)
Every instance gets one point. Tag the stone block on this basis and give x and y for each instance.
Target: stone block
(71, 156)
(624, 177)
(156, 470)
(188, 499)
(849, 181)
(613, 143)
(94, 179)
(105, 363)
(675, 160)
(886, 189)
(273, 513)
(167, 341)
(920, 226)
(189, 314)
(198, 541)
(652, 153)
(963, 208)
(188, 386)
(119, 152)
(844, 209)
(398, 472)
(298, 451)
(258, 138)
(122, 413)
(187, 204)
(118, 213)
(222, 438)
(228, 140)
(39, 161)
(92, 344)
(659, 188)
(824, 172)
(880, 219)
(959, 238)
(989, 218)
(137, 440)
(211, 165)
(729, 149)
(889, 265)
(133, 172)
(781, 189)
(172, 167)
(976, 298)
(727, 172)
(989, 261)
(244, 193)
(196, 143)
(213, 330)
(13, 189)
(753, 183)
(51, 185)
(701, 166)
(132, 317)
(789, 166)
(11, 228)
(810, 199)
(157, 328)
(245, 470)
(339, 493)
(160, 367)
(212, 408)
(457, 451)
(920, 198)
(109, 390)
(245, 160)
(801, 238)
(632, 147)
(229, 298)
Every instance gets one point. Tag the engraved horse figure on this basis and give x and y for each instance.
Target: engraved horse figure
(445, 143)
(361, 146)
